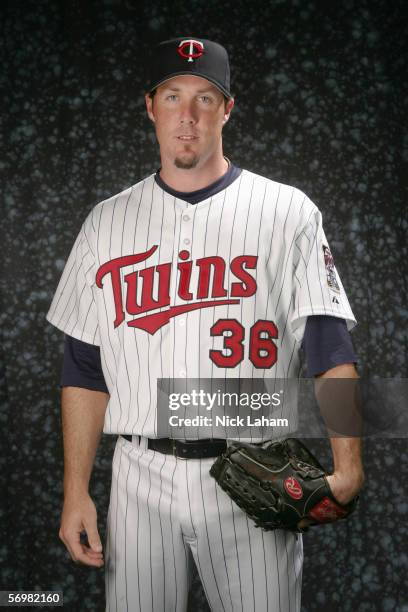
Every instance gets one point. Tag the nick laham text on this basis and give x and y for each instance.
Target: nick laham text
(226, 421)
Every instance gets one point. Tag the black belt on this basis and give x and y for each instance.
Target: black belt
(186, 449)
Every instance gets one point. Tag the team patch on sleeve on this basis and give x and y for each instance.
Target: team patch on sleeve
(330, 269)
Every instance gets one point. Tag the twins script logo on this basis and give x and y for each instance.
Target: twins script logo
(149, 289)
(190, 49)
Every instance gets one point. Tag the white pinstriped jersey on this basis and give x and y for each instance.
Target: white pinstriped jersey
(218, 289)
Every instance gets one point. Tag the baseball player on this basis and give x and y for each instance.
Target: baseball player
(200, 270)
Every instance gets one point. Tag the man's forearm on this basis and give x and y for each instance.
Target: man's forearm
(347, 457)
(83, 413)
(348, 473)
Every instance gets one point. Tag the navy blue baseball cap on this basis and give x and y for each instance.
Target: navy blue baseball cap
(194, 56)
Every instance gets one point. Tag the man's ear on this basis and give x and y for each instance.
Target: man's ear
(149, 107)
(228, 108)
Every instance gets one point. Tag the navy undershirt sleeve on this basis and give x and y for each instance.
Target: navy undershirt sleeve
(82, 366)
(327, 343)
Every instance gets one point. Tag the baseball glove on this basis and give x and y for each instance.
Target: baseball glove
(281, 486)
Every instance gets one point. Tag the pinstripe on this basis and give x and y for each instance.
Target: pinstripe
(148, 337)
(266, 581)
(303, 232)
(287, 566)
(138, 565)
(108, 528)
(134, 331)
(94, 335)
(286, 265)
(208, 539)
(237, 555)
(86, 319)
(252, 565)
(222, 544)
(277, 570)
(109, 342)
(106, 311)
(161, 535)
(74, 307)
(200, 312)
(256, 269)
(150, 529)
(232, 233)
(187, 315)
(269, 256)
(88, 269)
(171, 374)
(296, 576)
(125, 557)
(217, 251)
(122, 330)
(116, 525)
(71, 313)
(307, 281)
(107, 323)
(172, 535)
(282, 251)
(111, 228)
(291, 357)
(161, 329)
(175, 285)
(89, 245)
(245, 246)
(273, 227)
(189, 502)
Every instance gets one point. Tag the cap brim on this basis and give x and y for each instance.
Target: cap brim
(222, 89)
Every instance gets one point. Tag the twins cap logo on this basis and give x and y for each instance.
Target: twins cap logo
(293, 488)
(190, 49)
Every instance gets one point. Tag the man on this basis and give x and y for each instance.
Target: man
(201, 270)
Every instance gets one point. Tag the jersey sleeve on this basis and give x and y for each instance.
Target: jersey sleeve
(318, 289)
(73, 309)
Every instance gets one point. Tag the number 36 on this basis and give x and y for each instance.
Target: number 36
(234, 342)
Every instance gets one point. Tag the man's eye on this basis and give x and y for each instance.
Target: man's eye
(206, 99)
(171, 97)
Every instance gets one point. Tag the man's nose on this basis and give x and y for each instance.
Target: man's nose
(187, 114)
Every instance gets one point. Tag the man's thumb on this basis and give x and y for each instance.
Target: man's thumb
(94, 539)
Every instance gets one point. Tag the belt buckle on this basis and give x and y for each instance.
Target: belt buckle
(174, 447)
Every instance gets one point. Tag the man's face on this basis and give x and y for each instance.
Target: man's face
(189, 113)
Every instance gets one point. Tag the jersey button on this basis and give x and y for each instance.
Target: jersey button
(182, 322)
(182, 373)
(186, 240)
(186, 218)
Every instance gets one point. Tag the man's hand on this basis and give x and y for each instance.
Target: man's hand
(79, 516)
(83, 413)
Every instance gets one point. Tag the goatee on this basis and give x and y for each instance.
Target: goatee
(186, 164)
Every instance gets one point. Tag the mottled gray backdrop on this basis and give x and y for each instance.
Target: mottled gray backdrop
(320, 93)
